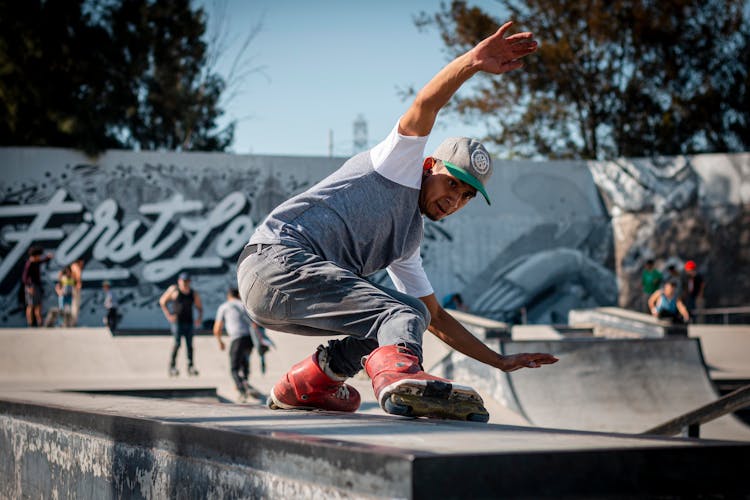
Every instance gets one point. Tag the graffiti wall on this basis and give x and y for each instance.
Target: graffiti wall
(138, 219)
(676, 209)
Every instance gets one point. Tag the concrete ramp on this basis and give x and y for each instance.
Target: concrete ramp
(612, 385)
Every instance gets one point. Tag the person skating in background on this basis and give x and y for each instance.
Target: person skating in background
(232, 317)
(181, 320)
(650, 281)
(76, 268)
(305, 268)
(31, 279)
(666, 304)
(454, 301)
(64, 288)
(693, 288)
(110, 304)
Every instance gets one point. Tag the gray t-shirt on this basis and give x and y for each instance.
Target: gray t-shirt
(236, 321)
(356, 217)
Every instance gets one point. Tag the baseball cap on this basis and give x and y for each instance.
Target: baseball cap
(690, 265)
(467, 160)
(183, 276)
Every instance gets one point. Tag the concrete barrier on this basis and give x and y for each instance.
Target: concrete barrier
(83, 446)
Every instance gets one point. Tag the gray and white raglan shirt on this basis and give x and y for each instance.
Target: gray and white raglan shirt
(364, 217)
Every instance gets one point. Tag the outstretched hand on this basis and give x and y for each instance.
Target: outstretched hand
(497, 54)
(514, 362)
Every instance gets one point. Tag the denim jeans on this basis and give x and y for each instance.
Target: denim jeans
(292, 290)
(239, 360)
(180, 330)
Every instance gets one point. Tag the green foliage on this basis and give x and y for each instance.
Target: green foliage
(613, 77)
(93, 75)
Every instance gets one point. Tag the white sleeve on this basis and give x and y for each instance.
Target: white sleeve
(409, 277)
(399, 158)
(220, 313)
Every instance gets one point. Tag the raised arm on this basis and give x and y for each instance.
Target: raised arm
(495, 54)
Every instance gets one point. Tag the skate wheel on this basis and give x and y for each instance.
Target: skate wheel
(397, 409)
(478, 417)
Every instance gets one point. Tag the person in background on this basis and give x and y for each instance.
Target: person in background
(232, 317)
(693, 288)
(110, 304)
(454, 301)
(180, 318)
(650, 281)
(666, 304)
(64, 288)
(31, 279)
(76, 269)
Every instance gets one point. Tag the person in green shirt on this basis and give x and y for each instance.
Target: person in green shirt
(650, 280)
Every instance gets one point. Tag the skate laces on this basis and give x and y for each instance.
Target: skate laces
(342, 392)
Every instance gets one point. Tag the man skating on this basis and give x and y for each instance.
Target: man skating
(232, 317)
(183, 299)
(304, 268)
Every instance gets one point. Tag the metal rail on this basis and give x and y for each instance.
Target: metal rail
(689, 423)
(722, 311)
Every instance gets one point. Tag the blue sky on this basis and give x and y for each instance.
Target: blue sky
(324, 63)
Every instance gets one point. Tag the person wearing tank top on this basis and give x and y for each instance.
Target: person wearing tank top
(305, 267)
(665, 304)
(183, 300)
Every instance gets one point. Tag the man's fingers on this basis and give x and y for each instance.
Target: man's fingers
(500, 32)
(547, 359)
(525, 35)
(538, 359)
(523, 47)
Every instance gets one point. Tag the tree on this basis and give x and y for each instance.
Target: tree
(613, 78)
(101, 74)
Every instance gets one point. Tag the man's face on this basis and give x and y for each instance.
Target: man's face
(184, 284)
(442, 194)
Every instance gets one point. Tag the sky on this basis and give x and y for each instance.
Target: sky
(322, 64)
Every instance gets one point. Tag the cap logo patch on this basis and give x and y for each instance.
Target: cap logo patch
(480, 161)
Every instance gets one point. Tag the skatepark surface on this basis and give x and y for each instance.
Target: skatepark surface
(113, 446)
(609, 385)
(101, 446)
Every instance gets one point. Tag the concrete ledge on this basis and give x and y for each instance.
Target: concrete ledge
(112, 456)
(178, 449)
(623, 323)
(480, 326)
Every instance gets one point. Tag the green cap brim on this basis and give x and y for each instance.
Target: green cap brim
(462, 175)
